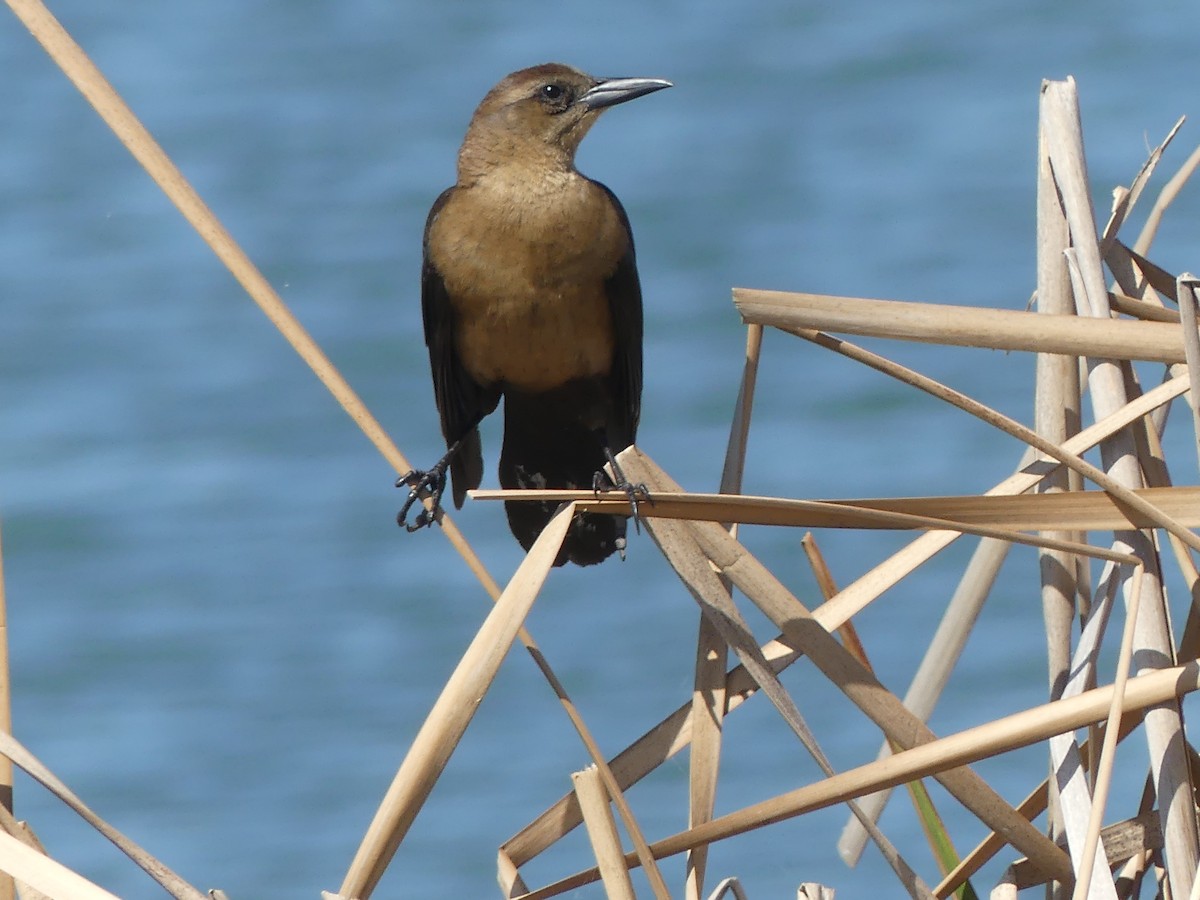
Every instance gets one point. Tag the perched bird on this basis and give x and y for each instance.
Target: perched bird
(529, 291)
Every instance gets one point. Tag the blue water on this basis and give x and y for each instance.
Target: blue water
(221, 641)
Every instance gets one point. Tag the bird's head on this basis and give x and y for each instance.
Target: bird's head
(543, 112)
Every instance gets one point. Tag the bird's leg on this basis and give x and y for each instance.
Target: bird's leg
(635, 492)
(431, 480)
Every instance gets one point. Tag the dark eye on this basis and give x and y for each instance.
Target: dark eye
(557, 97)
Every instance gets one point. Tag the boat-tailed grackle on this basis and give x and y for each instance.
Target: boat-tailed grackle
(530, 292)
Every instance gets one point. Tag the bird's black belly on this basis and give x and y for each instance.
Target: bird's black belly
(556, 439)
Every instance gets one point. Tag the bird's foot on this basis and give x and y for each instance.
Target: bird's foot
(635, 493)
(431, 482)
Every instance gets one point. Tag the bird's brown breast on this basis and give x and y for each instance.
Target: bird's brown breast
(525, 266)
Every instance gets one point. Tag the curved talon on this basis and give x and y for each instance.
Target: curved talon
(635, 493)
(433, 482)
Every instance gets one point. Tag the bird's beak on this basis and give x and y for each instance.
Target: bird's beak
(611, 91)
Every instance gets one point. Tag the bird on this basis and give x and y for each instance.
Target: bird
(530, 293)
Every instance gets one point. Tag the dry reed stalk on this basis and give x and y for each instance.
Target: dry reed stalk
(23, 833)
(452, 712)
(660, 743)
(1135, 274)
(1034, 804)
(1093, 854)
(712, 593)
(764, 661)
(1189, 642)
(709, 697)
(1123, 265)
(50, 878)
(1122, 841)
(828, 587)
(739, 429)
(168, 879)
(1074, 797)
(1132, 306)
(1164, 729)
(660, 492)
(602, 832)
(672, 734)
(1137, 296)
(959, 749)
(1185, 290)
(865, 814)
(1056, 404)
(856, 596)
(843, 670)
(733, 887)
(853, 643)
(76, 65)
(1150, 278)
(1057, 417)
(1165, 198)
(641, 848)
(933, 673)
(961, 326)
(116, 114)
(1126, 198)
(810, 890)
(1099, 477)
(613, 783)
(1073, 511)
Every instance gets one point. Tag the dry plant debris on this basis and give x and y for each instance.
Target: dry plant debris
(1085, 343)
(1085, 336)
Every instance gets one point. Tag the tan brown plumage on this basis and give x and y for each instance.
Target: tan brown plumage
(530, 291)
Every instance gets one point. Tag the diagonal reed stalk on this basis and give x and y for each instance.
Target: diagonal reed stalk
(671, 735)
(75, 64)
(998, 736)
(636, 466)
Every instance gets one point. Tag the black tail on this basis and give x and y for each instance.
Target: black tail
(557, 440)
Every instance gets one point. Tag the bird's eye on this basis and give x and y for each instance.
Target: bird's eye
(556, 97)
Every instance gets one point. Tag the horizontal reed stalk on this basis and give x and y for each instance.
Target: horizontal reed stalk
(963, 326)
(1066, 511)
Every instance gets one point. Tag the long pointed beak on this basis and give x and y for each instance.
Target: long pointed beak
(611, 91)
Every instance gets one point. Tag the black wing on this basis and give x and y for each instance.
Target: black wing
(460, 401)
(625, 300)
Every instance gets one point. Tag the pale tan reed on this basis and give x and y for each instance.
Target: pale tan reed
(1076, 322)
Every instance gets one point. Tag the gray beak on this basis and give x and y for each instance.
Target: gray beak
(611, 91)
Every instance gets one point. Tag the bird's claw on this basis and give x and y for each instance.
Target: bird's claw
(635, 493)
(432, 482)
